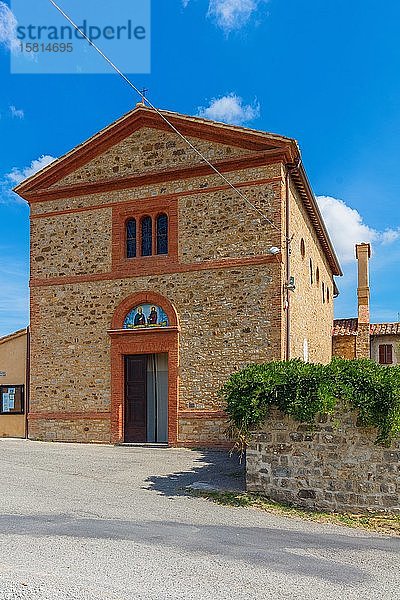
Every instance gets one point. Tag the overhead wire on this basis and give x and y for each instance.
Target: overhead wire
(165, 118)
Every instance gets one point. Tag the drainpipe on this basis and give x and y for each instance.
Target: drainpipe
(288, 241)
(287, 265)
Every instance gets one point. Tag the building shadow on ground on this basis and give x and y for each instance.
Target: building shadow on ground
(279, 550)
(218, 470)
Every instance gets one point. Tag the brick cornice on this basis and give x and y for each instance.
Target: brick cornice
(134, 181)
(160, 198)
(157, 268)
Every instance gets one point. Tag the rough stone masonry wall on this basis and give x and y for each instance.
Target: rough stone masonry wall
(148, 150)
(70, 369)
(228, 317)
(334, 466)
(344, 346)
(311, 305)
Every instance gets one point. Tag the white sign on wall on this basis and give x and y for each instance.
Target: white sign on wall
(6, 403)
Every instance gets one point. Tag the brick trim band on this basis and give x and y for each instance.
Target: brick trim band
(163, 197)
(159, 269)
(126, 183)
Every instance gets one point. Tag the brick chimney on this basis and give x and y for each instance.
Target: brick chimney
(363, 254)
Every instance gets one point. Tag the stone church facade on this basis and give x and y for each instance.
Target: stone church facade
(152, 280)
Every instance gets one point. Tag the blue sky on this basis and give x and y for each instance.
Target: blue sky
(325, 73)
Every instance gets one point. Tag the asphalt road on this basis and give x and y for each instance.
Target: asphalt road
(114, 523)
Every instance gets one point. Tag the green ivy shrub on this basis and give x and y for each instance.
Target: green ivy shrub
(305, 391)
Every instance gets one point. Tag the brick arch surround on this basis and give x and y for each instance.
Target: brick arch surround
(125, 342)
(143, 298)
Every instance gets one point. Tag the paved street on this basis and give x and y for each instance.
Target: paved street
(113, 523)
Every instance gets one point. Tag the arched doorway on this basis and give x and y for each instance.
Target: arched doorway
(144, 370)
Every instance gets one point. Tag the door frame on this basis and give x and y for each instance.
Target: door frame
(126, 342)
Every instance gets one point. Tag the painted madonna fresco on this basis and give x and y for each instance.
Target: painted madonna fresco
(146, 315)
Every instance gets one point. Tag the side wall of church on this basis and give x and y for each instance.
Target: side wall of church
(311, 304)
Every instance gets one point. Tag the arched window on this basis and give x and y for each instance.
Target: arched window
(302, 248)
(146, 315)
(311, 272)
(131, 238)
(317, 275)
(147, 236)
(162, 234)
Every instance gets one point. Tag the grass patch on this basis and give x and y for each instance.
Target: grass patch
(379, 522)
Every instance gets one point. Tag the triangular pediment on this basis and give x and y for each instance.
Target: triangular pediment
(149, 150)
(142, 142)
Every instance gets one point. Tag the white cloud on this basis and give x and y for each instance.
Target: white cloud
(230, 109)
(231, 14)
(16, 175)
(8, 28)
(347, 228)
(389, 236)
(16, 113)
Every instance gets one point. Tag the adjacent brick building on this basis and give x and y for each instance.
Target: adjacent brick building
(14, 384)
(152, 280)
(357, 337)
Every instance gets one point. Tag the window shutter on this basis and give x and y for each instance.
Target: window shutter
(389, 354)
(385, 354)
(381, 354)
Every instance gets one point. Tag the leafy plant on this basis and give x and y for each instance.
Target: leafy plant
(305, 391)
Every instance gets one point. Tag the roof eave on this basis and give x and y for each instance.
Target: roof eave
(300, 178)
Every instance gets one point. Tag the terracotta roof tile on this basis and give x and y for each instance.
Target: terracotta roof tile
(345, 327)
(350, 327)
(385, 329)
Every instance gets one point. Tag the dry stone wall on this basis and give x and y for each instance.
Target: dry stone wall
(333, 466)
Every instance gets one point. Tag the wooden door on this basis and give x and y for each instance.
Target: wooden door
(135, 398)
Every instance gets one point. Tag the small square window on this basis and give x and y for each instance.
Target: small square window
(385, 354)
